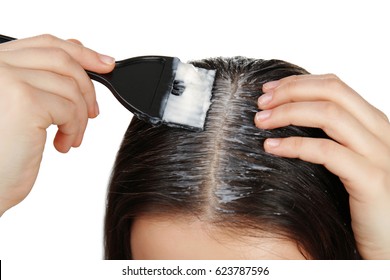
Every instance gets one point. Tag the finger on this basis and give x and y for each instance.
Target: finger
(337, 159)
(87, 58)
(53, 109)
(332, 119)
(324, 88)
(57, 61)
(64, 87)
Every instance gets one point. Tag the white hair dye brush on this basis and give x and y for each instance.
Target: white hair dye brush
(159, 89)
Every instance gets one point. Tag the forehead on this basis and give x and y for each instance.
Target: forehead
(170, 238)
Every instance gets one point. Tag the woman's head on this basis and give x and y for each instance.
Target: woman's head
(217, 193)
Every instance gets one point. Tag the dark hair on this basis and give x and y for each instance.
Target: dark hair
(224, 175)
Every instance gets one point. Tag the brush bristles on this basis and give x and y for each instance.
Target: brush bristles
(190, 108)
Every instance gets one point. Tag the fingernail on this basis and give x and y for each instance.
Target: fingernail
(264, 99)
(106, 59)
(272, 142)
(263, 115)
(270, 85)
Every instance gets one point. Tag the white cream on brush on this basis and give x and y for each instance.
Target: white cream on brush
(191, 107)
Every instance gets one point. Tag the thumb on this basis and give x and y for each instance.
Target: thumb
(91, 60)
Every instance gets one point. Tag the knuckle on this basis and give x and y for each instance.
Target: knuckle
(330, 110)
(334, 82)
(292, 78)
(331, 76)
(59, 56)
(325, 147)
(73, 91)
(22, 95)
(19, 90)
(287, 109)
(296, 143)
(72, 110)
(72, 84)
(291, 84)
(80, 49)
(312, 150)
(70, 128)
(78, 110)
(49, 38)
(16, 91)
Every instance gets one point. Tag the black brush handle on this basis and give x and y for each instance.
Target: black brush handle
(105, 79)
(142, 84)
(4, 39)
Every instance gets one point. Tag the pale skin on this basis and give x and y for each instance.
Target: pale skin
(43, 83)
(188, 238)
(359, 153)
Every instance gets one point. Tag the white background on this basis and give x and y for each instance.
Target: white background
(62, 217)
